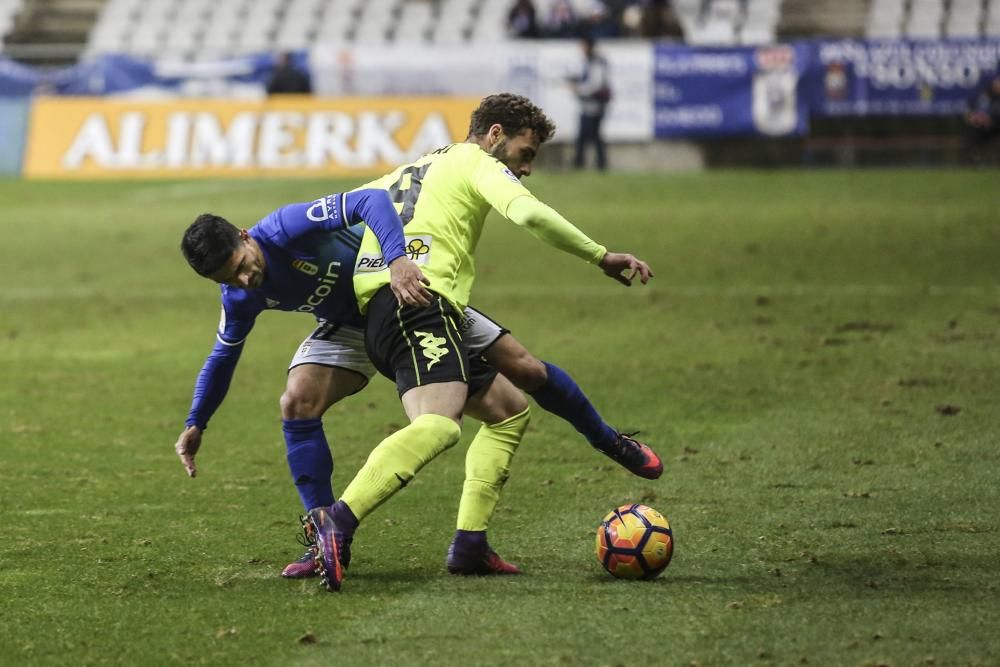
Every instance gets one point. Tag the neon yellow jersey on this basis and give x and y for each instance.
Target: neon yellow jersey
(443, 199)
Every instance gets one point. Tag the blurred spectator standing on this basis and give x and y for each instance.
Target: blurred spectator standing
(982, 119)
(522, 20)
(288, 79)
(562, 22)
(593, 89)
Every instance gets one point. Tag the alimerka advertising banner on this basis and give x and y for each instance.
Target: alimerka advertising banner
(706, 92)
(114, 138)
(860, 78)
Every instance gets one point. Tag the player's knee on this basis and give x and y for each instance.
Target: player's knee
(526, 371)
(512, 428)
(441, 430)
(296, 404)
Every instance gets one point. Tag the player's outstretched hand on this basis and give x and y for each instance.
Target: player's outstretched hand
(624, 268)
(187, 446)
(407, 281)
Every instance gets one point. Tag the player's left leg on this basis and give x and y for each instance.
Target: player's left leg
(505, 416)
(421, 349)
(330, 365)
(556, 392)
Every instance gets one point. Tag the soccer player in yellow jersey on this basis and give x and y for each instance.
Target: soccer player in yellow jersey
(443, 200)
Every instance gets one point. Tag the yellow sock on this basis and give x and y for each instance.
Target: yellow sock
(487, 465)
(397, 459)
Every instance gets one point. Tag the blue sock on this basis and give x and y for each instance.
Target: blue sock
(561, 396)
(310, 461)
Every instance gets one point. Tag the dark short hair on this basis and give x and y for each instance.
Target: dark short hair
(514, 113)
(209, 242)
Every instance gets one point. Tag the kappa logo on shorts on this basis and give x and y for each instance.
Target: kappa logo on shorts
(418, 249)
(433, 346)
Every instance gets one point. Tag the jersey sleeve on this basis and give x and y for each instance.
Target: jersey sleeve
(548, 226)
(239, 312)
(375, 209)
(495, 182)
(296, 220)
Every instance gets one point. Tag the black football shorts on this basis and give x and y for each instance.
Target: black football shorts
(419, 346)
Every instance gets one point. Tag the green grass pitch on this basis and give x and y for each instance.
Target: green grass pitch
(817, 361)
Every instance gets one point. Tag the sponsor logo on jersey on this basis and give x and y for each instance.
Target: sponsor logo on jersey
(323, 289)
(418, 248)
(433, 347)
(305, 267)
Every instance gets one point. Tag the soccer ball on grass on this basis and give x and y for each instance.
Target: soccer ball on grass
(635, 542)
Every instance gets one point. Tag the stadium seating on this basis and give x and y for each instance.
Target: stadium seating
(8, 10)
(200, 28)
(925, 19)
(819, 18)
(760, 21)
(932, 19)
(885, 19)
(992, 26)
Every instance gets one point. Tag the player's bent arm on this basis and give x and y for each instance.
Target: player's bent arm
(548, 226)
(375, 209)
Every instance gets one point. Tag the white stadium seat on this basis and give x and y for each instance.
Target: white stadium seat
(925, 19)
(885, 19)
(414, 22)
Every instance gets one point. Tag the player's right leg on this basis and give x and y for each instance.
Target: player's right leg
(329, 365)
(421, 349)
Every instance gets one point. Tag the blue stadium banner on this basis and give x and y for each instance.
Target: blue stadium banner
(731, 91)
(17, 80)
(859, 78)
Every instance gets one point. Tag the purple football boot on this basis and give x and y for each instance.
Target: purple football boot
(470, 553)
(321, 532)
(635, 456)
(303, 568)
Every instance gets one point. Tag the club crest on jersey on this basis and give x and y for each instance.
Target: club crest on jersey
(271, 303)
(510, 175)
(418, 249)
(305, 267)
(324, 208)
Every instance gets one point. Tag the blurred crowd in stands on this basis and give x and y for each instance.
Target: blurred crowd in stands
(598, 19)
